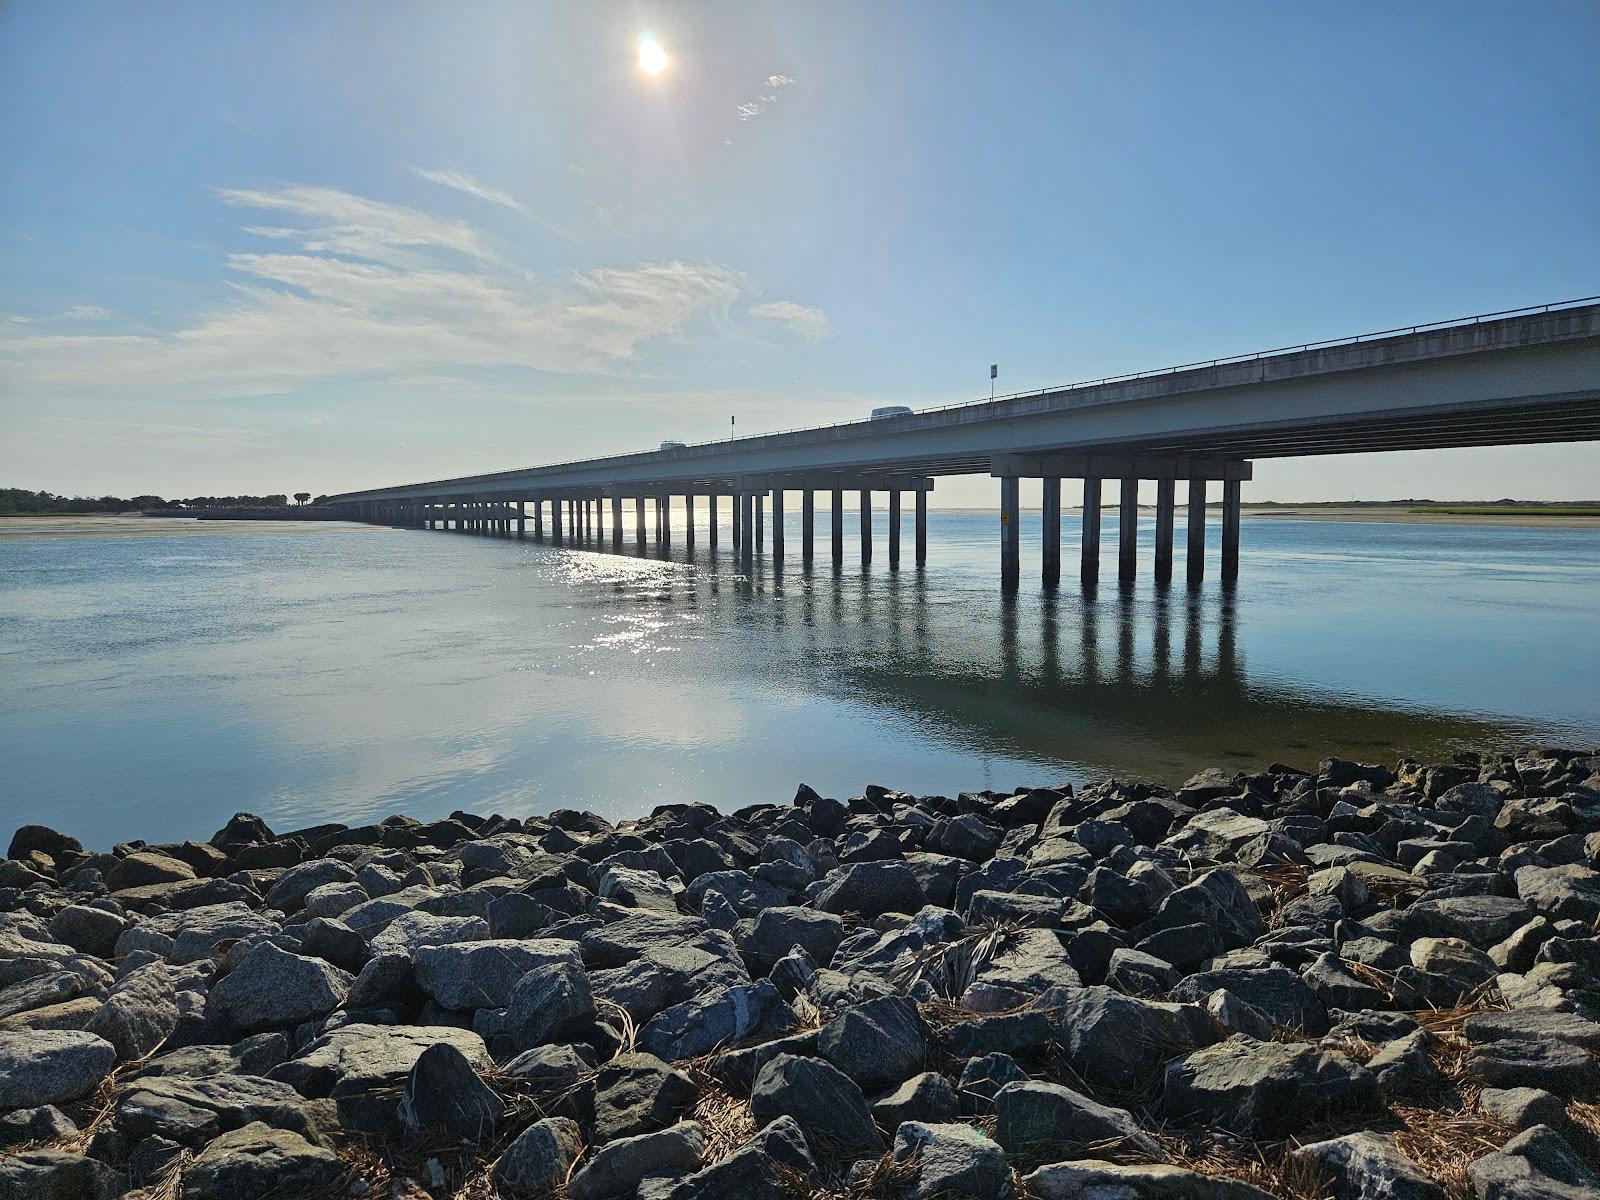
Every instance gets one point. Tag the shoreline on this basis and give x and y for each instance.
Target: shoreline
(1088, 989)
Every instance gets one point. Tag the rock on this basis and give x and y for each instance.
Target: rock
(139, 1013)
(1217, 900)
(1552, 1065)
(1116, 1044)
(364, 1067)
(1366, 1166)
(191, 1110)
(826, 1104)
(1563, 893)
(777, 930)
(145, 867)
(257, 1161)
(51, 1066)
(550, 1001)
(1275, 992)
(1532, 1026)
(869, 889)
(1095, 1180)
(194, 934)
(615, 1170)
(927, 1097)
(540, 1158)
(1464, 968)
(484, 974)
(43, 1124)
(719, 1020)
(1523, 1108)
(1038, 1120)
(443, 1092)
(1536, 1165)
(878, 1043)
(638, 1093)
(58, 1175)
(950, 1160)
(669, 975)
(289, 893)
(1263, 1089)
(91, 930)
(335, 942)
(983, 1077)
(271, 988)
(412, 931)
(1135, 973)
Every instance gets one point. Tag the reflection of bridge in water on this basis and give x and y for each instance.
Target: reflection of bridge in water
(1148, 682)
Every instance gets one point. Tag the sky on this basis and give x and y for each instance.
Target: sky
(283, 247)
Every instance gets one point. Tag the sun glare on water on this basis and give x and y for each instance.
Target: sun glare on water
(652, 58)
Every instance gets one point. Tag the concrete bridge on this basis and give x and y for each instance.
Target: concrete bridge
(1517, 377)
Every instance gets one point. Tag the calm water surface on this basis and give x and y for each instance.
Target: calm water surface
(152, 685)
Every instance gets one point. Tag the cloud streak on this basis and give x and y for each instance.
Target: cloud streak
(374, 290)
(810, 324)
(751, 109)
(462, 182)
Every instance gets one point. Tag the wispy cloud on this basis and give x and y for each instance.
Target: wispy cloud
(374, 290)
(462, 182)
(751, 109)
(811, 324)
(79, 312)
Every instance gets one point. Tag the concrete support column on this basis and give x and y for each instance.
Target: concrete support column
(688, 520)
(1091, 530)
(638, 522)
(555, 522)
(747, 535)
(1230, 530)
(1050, 545)
(922, 527)
(1010, 533)
(1128, 531)
(522, 518)
(1166, 492)
(777, 527)
(711, 520)
(1196, 549)
(808, 524)
(538, 519)
(838, 528)
(761, 521)
(616, 523)
(665, 503)
(864, 503)
(737, 520)
(894, 529)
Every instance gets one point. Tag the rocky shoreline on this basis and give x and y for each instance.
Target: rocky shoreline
(1358, 982)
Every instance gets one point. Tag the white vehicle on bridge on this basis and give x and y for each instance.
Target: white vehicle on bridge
(890, 410)
(671, 446)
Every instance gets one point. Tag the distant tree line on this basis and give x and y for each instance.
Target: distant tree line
(21, 502)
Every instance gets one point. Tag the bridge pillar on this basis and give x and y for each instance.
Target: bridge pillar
(864, 502)
(736, 518)
(838, 528)
(638, 522)
(1195, 551)
(1090, 567)
(711, 520)
(1050, 550)
(538, 519)
(922, 525)
(777, 527)
(522, 518)
(1128, 531)
(688, 521)
(761, 521)
(808, 524)
(556, 534)
(1010, 539)
(1230, 530)
(1166, 490)
(616, 523)
(747, 523)
(894, 529)
(665, 503)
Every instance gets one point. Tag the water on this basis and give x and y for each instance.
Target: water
(150, 686)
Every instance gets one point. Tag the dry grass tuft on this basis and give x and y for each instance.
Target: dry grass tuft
(887, 1180)
(1270, 1166)
(1445, 1140)
(951, 967)
(727, 1120)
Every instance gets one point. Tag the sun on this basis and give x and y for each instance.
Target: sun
(652, 58)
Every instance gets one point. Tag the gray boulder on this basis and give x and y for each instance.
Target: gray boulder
(826, 1104)
(1367, 1166)
(1095, 1180)
(869, 889)
(140, 1012)
(484, 974)
(1038, 1120)
(47, 1123)
(91, 930)
(51, 1066)
(190, 1110)
(615, 1170)
(1536, 1165)
(1263, 1089)
(58, 1175)
(927, 1097)
(274, 989)
(256, 1161)
(878, 1043)
(950, 1160)
(550, 1001)
(444, 1093)
(638, 1093)
(720, 1020)
(540, 1158)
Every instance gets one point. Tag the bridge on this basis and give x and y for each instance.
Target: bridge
(1515, 377)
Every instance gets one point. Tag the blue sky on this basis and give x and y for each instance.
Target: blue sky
(284, 246)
